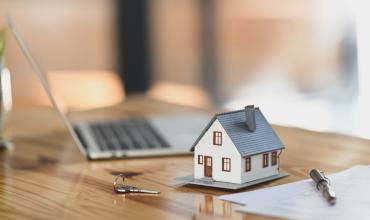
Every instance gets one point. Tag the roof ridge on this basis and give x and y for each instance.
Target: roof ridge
(231, 112)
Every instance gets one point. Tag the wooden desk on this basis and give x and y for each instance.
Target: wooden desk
(45, 177)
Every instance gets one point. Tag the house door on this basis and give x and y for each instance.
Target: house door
(208, 166)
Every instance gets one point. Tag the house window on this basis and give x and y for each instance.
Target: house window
(247, 164)
(217, 138)
(200, 159)
(265, 160)
(274, 158)
(226, 164)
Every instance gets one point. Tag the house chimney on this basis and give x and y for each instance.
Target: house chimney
(250, 118)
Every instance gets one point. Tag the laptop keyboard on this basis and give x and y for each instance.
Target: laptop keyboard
(136, 133)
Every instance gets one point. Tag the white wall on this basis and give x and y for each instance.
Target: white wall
(205, 147)
(257, 171)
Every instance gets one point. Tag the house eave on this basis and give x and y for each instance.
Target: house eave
(262, 152)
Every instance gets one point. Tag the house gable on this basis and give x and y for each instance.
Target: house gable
(206, 140)
(206, 147)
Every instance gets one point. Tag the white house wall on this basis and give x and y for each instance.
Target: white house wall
(257, 170)
(205, 147)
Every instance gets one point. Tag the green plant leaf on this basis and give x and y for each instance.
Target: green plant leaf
(2, 42)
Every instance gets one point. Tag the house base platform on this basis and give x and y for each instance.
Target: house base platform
(223, 185)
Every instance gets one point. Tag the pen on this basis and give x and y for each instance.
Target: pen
(323, 185)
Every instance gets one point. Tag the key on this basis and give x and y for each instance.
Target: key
(119, 187)
(132, 189)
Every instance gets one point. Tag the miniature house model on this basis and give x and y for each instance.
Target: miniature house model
(237, 147)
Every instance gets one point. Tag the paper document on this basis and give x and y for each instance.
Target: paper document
(301, 200)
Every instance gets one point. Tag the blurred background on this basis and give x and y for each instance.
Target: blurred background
(303, 62)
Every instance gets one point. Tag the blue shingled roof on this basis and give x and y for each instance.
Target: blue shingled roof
(248, 143)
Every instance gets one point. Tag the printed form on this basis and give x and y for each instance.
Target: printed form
(301, 200)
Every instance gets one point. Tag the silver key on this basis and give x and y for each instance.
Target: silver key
(119, 187)
(133, 189)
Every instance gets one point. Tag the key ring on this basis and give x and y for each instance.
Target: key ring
(118, 181)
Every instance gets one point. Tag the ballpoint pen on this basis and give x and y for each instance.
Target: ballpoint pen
(323, 185)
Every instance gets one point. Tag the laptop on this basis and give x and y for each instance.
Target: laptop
(132, 137)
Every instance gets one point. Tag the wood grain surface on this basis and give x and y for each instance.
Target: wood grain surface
(45, 177)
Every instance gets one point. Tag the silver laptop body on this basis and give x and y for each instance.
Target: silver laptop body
(133, 137)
